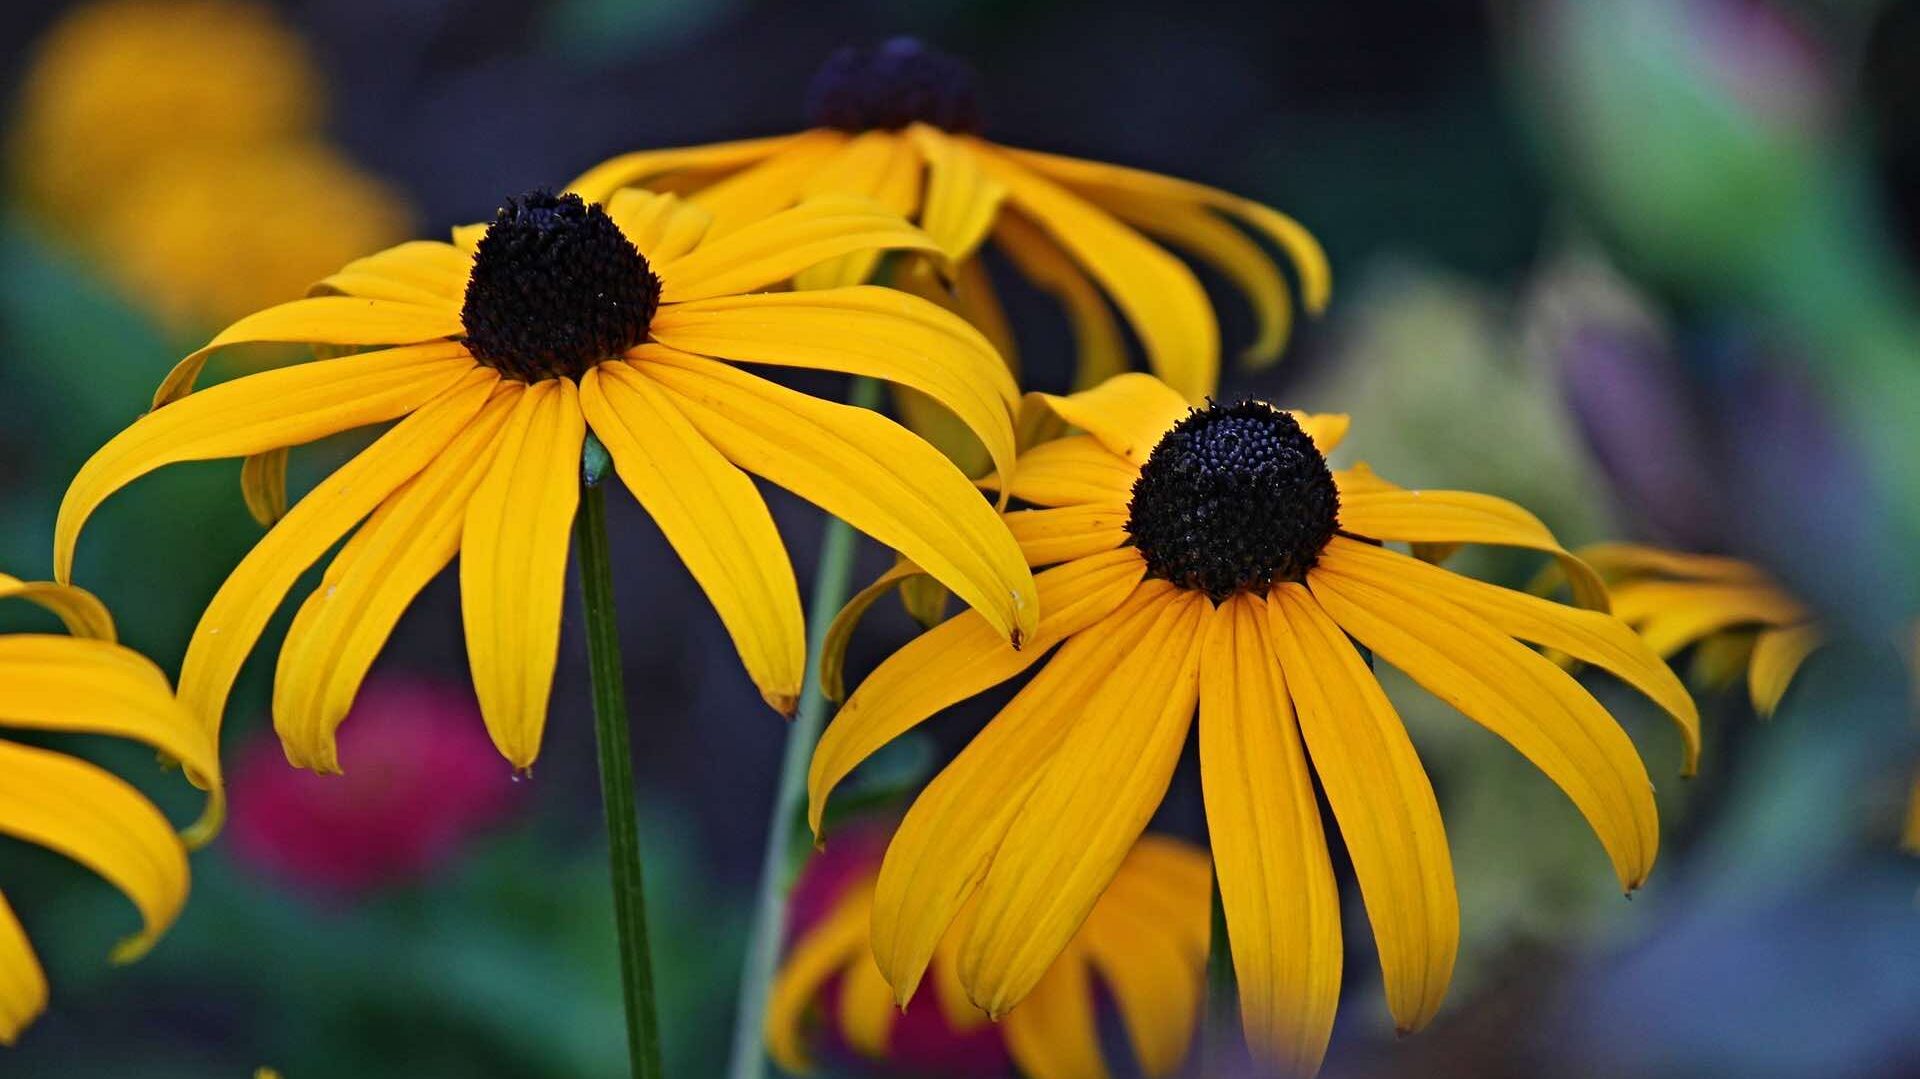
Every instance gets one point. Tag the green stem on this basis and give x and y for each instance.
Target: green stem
(832, 581)
(1219, 1037)
(616, 770)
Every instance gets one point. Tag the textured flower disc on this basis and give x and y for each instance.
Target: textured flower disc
(555, 289)
(1234, 498)
(890, 87)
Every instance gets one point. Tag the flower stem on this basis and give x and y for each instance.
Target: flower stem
(832, 581)
(616, 769)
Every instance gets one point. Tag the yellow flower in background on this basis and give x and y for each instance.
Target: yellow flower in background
(1733, 614)
(119, 85)
(1145, 940)
(1211, 558)
(205, 239)
(87, 684)
(897, 124)
(496, 353)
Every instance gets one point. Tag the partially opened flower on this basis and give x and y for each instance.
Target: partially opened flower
(899, 124)
(1145, 942)
(87, 684)
(496, 353)
(1210, 558)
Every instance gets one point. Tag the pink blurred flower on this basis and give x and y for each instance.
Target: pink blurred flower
(420, 779)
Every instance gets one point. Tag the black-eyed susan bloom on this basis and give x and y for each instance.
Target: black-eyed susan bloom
(87, 684)
(1144, 942)
(900, 124)
(497, 353)
(1211, 559)
(1731, 613)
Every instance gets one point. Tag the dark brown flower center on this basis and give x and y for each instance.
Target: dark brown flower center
(890, 87)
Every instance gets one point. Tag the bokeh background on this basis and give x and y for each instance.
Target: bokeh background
(1646, 267)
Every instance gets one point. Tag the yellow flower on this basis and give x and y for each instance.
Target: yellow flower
(1145, 939)
(1734, 614)
(116, 86)
(885, 118)
(87, 684)
(499, 351)
(1211, 559)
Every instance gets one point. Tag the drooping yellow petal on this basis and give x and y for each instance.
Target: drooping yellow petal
(1623, 559)
(1091, 801)
(1058, 535)
(822, 952)
(1588, 636)
(881, 166)
(1072, 471)
(263, 484)
(1155, 981)
(1129, 413)
(958, 658)
(962, 197)
(833, 647)
(715, 519)
(1171, 882)
(948, 991)
(427, 273)
(635, 169)
(662, 227)
(1517, 694)
(867, 1010)
(83, 615)
(1777, 656)
(1100, 350)
(1462, 517)
(943, 846)
(1269, 849)
(1671, 615)
(513, 564)
(67, 805)
(23, 985)
(865, 470)
(1055, 1033)
(1382, 800)
(1720, 659)
(773, 250)
(253, 591)
(320, 320)
(1327, 429)
(284, 407)
(345, 622)
(875, 332)
(769, 186)
(1160, 295)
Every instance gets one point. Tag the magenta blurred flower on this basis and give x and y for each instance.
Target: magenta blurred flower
(420, 779)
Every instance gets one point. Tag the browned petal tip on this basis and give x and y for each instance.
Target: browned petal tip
(784, 703)
(1016, 639)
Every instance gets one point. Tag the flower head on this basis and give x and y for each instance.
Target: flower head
(496, 353)
(897, 124)
(87, 684)
(1238, 592)
(1145, 941)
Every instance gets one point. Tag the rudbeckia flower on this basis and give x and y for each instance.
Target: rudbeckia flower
(1210, 558)
(899, 124)
(496, 353)
(1145, 942)
(1733, 615)
(87, 684)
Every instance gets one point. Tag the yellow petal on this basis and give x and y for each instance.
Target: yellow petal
(252, 592)
(865, 470)
(1514, 692)
(1071, 471)
(1091, 801)
(1588, 636)
(1631, 559)
(957, 659)
(962, 198)
(881, 166)
(773, 250)
(67, 805)
(1327, 429)
(1671, 615)
(513, 564)
(1050, 536)
(1160, 295)
(263, 484)
(284, 407)
(635, 169)
(423, 272)
(1777, 656)
(1171, 882)
(715, 519)
(947, 838)
(84, 615)
(769, 186)
(1382, 800)
(1128, 413)
(345, 621)
(949, 993)
(1263, 823)
(1100, 351)
(1462, 517)
(1055, 1033)
(662, 227)
(866, 1008)
(875, 332)
(833, 647)
(320, 320)
(1155, 981)
(23, 985)
(818, 955)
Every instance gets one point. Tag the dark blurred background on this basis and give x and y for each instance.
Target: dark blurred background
(1645, 267)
